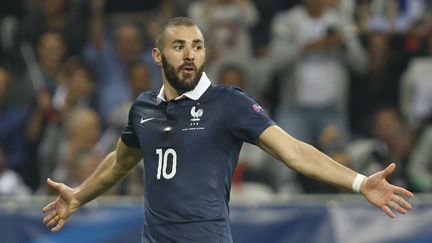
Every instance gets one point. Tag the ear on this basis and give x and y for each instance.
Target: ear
(157, 56)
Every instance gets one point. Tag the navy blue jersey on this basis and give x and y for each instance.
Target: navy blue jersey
(190, 148)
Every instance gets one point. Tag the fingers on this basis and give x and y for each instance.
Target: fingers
(403, 191)
(49, 217)
(59, 225)
(388, 211)
(397, 203)
(397, 207)
(53, 221)
(54, 184)
(389, 169)
(400, 201)
(48, 207)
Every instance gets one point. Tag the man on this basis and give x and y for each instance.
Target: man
(189, 135)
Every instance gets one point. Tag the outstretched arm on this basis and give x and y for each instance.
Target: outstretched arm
(113, 168)
(307, 160)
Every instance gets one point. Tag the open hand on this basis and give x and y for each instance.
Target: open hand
(60, 209)
(384, 195)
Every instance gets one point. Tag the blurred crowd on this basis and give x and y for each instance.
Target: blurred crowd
(353, 78)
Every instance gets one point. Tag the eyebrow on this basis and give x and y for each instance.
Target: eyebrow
(196, 41)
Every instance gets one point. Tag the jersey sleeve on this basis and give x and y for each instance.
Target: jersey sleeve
(128, 135)
(245, 119)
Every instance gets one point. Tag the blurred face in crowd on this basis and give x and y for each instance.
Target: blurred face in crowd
(4, 82)
(81, 83)
(52, 7)
(315, 7)
(386, 124)
(182, 57)
(84, 128)
(232, 76)
(139, 78)
(128, 43)
(51, 50)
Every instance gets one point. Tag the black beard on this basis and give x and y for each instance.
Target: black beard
(181, 85)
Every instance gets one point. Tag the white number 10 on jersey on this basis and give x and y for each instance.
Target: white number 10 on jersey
(163, 163)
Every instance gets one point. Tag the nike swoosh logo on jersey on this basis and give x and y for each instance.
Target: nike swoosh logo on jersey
(146, 120)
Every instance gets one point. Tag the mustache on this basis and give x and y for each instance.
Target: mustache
(188, 64)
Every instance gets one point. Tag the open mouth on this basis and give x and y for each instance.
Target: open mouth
(188, 69)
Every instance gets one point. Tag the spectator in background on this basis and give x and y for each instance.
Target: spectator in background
(388, 25)
(75, 91)
(311, 45)
(40, 76)
(392, 140)
(77, 88)
(232, 75)
(11, 183)
(38, 86)
(12, 124)
(167, 9)
(112, 56)
(345, 8)
(255, 174)
(416, 91)
(394, 16)
(419, 167)
(139, 80)
(227, 24)
(313, 49)
(9, 25)
(74, 142)
(63, 16)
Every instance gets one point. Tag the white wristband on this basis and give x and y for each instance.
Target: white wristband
(357, 183)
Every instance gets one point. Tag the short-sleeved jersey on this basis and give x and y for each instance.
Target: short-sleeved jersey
(190, 148)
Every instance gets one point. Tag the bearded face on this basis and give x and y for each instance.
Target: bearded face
(183, 78)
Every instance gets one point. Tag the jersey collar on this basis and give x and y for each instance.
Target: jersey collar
(194, 94)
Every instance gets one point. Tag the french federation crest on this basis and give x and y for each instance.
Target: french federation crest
(196, 114)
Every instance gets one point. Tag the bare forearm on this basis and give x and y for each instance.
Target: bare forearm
(109, 172)
(99, 182)
(304, 158)
(314, 164)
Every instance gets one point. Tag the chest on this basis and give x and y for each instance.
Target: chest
(179, 124)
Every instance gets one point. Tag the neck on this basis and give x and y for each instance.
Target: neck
(170, 92)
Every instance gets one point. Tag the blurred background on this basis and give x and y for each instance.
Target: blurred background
(353, 78)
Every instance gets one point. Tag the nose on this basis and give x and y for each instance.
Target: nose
(189, 53)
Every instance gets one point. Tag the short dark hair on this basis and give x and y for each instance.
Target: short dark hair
(177, 21)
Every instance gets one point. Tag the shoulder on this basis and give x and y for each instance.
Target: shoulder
(145, 99)
(226, 92)
(233, 98)
(147, 96)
